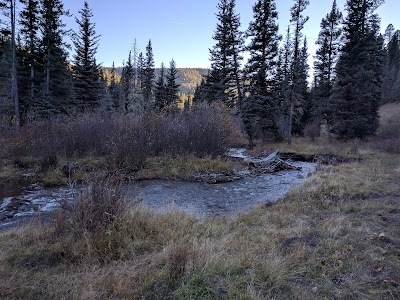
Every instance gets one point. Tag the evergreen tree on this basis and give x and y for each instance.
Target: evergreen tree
(260, 106)
(172, 88)
(389, 33)
(302, 111)
(6, 106)
(325, 60)
(199, 92)
(391, 79)
(148, 75)
(127, 82)
(29, 29)
(86, 71)
(140, 71)
(357, 90)
(160, 94)
(224, 79)
(56, 94)
(295, 96)
(282, 83)
(114, 90)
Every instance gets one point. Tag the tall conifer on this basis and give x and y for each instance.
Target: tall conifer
(357, 90)
(86, 71)
(148, 75)
(260, 105)
(224, 80)
(325, 60)
(172, 87)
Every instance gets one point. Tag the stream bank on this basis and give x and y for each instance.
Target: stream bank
(217, 195)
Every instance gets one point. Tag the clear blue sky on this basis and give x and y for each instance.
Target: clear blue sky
(182, 29)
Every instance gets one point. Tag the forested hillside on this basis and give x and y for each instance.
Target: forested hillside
(188, 78)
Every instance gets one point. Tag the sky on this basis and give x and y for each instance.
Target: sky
(182, 29)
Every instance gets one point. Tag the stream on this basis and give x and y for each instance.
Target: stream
(197, 198)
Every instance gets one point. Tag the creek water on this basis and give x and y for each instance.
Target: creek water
(197, 198)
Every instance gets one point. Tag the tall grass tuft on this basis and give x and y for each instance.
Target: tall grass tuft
(100, 205)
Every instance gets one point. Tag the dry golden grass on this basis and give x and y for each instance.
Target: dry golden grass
(334, 237)
(182, 167)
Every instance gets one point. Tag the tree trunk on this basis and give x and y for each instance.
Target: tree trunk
(290, 123)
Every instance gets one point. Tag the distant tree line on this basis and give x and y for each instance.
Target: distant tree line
(39, 80)
(356, 69)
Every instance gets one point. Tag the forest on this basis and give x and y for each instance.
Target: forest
(270, 92)
(69, 124)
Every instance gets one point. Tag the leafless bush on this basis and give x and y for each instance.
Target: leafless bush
(126, 141)
(388, 136)
(312, 131)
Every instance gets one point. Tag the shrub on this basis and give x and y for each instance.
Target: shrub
(127, 141)
(312, 131)
(388, 135)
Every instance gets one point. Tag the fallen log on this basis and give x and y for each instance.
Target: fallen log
(272, 163)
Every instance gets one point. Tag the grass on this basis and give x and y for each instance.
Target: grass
(334, 237)
(182, 167)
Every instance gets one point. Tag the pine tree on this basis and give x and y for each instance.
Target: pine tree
(295, 96)
(172, 88)
(140, 71)
(127, 82)
(357, 90)
(148, 75)
(6, 106)
(114, 90)
(325, 60)
(29, 29)
(56, 94)
(391, 79)
(224, 79)
(199, 92)
(282, 84)
(302, 111)
(260, 106)
(86, 71)
(160, 94)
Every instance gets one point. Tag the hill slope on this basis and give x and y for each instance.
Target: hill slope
(188, 78)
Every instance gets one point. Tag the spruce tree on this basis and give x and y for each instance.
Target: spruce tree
(56, 94)
(260, 105)
(391, 79)
(282, 83)
(302, 109)
(127, 82)
(295, 95)
(160, 94)
(86, 71)
(325, 60)
(224, 79)
(140, 71)
(199, 92)
(357, 90)
(114, 90)
(29, 30)
(148, 75)
(172, 88)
